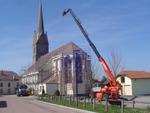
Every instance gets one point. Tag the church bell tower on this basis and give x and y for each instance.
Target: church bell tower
(40, 42)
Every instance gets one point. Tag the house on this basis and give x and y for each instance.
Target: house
(8, 82)
(66, 69)
(134, 82)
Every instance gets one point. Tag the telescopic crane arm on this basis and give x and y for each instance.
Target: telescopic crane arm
(100, 58)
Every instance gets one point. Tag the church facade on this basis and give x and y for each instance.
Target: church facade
(66, 69)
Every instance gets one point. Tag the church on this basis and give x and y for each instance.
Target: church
(66, 69)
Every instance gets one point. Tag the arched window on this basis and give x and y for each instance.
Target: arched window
(78, 66)
(67, 69)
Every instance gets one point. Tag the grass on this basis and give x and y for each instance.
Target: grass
(99, 108)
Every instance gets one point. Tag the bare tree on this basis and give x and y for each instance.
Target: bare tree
(91, 72)
(24, 69)
(104, 79)
(115, 62)
(96, 70)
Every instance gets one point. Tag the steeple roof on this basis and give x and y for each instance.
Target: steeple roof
(40, 42)
(40, 19)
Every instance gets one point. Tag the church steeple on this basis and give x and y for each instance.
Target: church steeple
(40, 19)
(40, 42)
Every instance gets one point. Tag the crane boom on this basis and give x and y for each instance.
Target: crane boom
(100, 58)
(112, 87)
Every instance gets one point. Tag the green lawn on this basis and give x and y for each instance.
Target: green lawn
(99, 108)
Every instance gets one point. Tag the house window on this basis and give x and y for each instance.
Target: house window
(9, 84)
(122, 80)
(40, 88)
(1, 91)
(1, 84)
(9, 91)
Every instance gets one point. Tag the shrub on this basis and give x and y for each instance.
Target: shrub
(57, 93)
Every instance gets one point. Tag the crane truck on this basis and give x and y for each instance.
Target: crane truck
(112, 87)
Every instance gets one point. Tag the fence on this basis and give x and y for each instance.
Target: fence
(91, 104)
(137, 104)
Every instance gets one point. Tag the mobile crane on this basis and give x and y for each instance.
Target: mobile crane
(112, 87)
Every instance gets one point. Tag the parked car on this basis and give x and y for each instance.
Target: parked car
(22, 90)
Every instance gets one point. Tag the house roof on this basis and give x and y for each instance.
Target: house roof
(135, 74)
(53, 79)
(8, 75)
(68, 48)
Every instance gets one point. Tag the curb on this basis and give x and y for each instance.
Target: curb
(76, 109)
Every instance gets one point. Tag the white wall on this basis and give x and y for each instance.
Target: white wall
(30, 79)
(135, 86)
(141, 86)
(51, 88)
(81, 88)
(126, 86)
(12, 88)
(69, 89)
(41, 86)
(48, 88)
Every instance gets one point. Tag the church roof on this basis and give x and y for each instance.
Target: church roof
(51, 80)
(8, 75)
(68, 48)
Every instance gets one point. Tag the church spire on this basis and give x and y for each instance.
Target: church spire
(40, 42)
(40, 19)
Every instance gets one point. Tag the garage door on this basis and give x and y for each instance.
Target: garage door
(127, 90)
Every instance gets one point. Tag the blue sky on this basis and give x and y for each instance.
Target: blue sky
(121, 25)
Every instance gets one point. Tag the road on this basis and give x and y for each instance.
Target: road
(13, 104)
(140, 102)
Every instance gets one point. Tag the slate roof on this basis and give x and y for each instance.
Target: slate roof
(68, 48)
(8, 75)
(40, 19)
(135, 74)
(51, 80)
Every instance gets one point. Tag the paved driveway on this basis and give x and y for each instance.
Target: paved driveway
(140, 102)
(13, 104)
